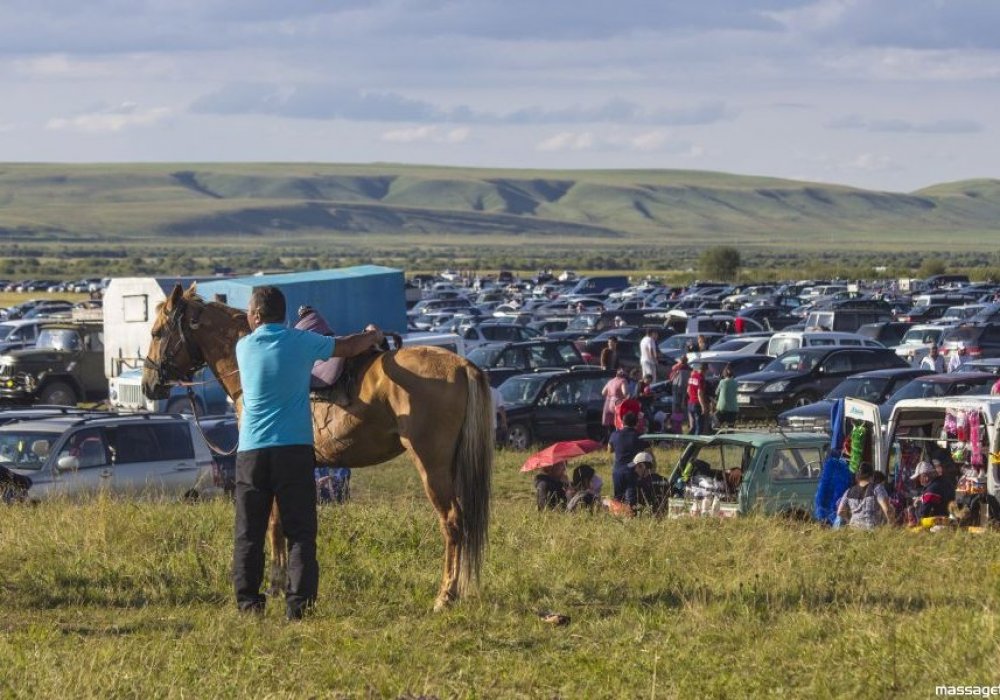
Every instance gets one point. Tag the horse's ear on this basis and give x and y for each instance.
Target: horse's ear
(193, 289)
(175, 296)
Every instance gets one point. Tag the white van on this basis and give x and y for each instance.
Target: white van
(783, 341)
(448, 341)
(966, 428)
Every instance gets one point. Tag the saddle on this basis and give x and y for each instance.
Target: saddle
(338, 379)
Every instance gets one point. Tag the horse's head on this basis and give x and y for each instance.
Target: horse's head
(173, 355)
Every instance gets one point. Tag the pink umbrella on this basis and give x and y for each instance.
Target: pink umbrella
(560, 452)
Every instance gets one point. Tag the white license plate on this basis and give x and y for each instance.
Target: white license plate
(742, 398)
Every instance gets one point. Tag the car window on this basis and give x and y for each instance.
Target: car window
(561, 394)
(796, 463)
(568, 354)
(25, 449)
(149, 442)
(814, 341)
(991, 335)
(850, 341)
(470, 334)
(511, 357)
(89, 447)
(838, 363)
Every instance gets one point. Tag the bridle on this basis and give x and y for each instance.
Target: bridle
(166, 369)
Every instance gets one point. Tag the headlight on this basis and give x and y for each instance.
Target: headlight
(775, 387)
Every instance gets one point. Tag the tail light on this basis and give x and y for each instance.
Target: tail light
(973, 350)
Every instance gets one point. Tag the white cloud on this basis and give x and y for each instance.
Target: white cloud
(109, 119)
(568, 141)
(657, 141)
(426, 134)
(870, 162)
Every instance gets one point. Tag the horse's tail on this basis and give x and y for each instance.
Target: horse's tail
(473, 476)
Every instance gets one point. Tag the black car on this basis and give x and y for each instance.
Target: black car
(556, 405)
(503, 360)
(800, 377)
(934, 385)
(874, 387)
(888, 333)
(978, 339)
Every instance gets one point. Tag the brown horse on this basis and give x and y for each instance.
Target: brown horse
(425, 401)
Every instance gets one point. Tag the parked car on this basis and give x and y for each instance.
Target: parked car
(503, 360)
(476, 335)
(935, 385)
(744, 344)
(800, 377)
(128, 455)
(889, 333)
(222, 433)
(874, 387)
(65, 366)
(556, 405)
(918, 340)
(737, 474)
(978, 339)
(125, 394)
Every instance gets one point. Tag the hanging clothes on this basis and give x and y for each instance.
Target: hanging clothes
(975, 441)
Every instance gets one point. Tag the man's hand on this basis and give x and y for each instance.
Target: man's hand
(379, 335)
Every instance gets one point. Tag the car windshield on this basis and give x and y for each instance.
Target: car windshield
(793, 362)
(778, 346)
(483, 356)
(678, 342)
(24, 449)
(521, 390)
(922, 335)
(58, 339)
(583, 322)
(926, 389)
(865, 388)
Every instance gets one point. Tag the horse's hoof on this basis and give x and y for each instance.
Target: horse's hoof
(442, 603)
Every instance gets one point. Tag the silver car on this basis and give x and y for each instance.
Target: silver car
(148, 455)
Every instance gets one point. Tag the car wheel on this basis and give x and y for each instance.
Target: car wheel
(57, 394)
(182, 405)
(519, 436)
(804, 400)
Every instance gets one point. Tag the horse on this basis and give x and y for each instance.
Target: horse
(422, 400)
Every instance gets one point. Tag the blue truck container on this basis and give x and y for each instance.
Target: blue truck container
(348, 298)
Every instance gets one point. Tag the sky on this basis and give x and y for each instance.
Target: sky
(884, 94)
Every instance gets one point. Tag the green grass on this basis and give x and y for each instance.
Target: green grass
(116, 599)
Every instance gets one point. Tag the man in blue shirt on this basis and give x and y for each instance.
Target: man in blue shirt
(625, 444)
(275, 457)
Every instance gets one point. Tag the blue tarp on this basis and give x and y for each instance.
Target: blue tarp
(836, 477)
(348, 298)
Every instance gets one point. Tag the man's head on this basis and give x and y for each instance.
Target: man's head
(924, 473)
(267, 305)
(613, 342)
(653, 333)
(702, 343)
(933, 351)
(643, 463)
(865, 472)
(630, 420)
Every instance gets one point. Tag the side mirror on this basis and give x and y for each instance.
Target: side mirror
(68, 463)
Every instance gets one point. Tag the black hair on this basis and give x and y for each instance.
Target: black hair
(865, 471)
(270, 302)
(582, 474)
(630, 420)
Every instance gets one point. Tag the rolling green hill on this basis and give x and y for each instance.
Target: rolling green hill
(181, 201)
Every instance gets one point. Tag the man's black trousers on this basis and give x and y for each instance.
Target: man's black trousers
(285, 473)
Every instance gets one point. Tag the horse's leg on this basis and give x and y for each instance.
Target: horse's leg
(279, 552)
(435, 472)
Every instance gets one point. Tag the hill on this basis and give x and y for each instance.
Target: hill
(45, 201)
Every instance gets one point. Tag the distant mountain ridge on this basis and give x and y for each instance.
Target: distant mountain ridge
(182, 200)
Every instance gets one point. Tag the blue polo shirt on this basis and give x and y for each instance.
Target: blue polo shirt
(275, 363)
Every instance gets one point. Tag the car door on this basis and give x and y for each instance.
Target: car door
(81, 467)
(834, 368)
(153, 458)
(91, 368)
(789, 479)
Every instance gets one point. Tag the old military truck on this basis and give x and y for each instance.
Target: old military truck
(65, 367)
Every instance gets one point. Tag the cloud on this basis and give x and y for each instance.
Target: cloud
(109, 119)
(656, 141)
(320, 101)
(431, 134)
(870, 162)
(903, 126)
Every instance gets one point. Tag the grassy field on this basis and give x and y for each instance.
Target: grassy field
(115, 599)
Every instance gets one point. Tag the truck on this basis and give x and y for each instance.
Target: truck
(63, 368)
(742, 473)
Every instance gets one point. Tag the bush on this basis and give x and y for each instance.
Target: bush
(721, 263)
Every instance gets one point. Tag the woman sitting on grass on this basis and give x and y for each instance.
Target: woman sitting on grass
(585, 490)
(550, 487)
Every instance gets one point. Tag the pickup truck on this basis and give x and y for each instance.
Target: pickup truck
(736, 474)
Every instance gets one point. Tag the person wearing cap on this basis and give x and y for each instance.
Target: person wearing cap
(866, 504)
(647, 490)
(937, 492)
(933, 360)
(625, 444)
